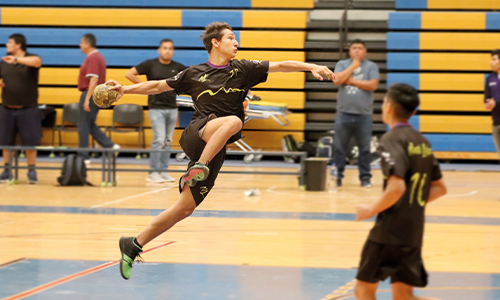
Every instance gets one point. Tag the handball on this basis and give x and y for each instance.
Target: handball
(103, 97)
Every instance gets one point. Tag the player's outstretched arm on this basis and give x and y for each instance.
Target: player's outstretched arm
(438, 189)
(394, 190)
(297, 66)
(144, 88)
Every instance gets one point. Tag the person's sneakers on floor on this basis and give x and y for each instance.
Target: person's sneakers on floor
(366, 183)
(198, 172)
(32, 178)
(116, 147)
(129, 250)
(155, 177)
(338, 182)
(5, 176)
(167, 177)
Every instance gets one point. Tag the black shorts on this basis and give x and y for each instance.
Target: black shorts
(24, 121)
(402, 264)
(192, 144)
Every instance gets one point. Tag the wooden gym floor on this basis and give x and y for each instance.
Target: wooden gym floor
(62, 242)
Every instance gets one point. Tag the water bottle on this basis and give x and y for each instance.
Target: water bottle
(333, 178)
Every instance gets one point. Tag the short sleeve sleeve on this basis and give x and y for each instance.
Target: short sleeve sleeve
(180, 82)
(92, 67)
(393, 161)
(436, 170)
(373, 72)
(340, 66)
(256, 71)
(143, 67)
(487, 92)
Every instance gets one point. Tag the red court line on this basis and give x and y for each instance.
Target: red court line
(71, 277)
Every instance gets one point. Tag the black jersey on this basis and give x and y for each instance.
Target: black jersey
(21, 84)
(156, 70)
(407, 154)
(220, 90)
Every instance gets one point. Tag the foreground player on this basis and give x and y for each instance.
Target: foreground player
(412, 179)
(218, 89)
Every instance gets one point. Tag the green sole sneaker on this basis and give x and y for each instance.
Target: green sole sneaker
(198, 172)
(129, 252)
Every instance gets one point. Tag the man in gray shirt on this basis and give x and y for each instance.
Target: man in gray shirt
(355, 109)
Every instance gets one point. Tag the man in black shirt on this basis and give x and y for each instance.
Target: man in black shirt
(19, 111)
(218, 89)
(162, 107)
(412, 178)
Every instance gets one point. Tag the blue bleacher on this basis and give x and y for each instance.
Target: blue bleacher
(106, 37)
(114, 57)
(133, 3)
(461, 142)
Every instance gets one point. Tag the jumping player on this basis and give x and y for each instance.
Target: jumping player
(412, 179)
(218, 89)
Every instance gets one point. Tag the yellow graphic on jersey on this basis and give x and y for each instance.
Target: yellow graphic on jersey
(204, 78)
(234, 72)
(203, 191)
(421, 149)
(227, 91)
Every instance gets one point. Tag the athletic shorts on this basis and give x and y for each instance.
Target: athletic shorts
(23, 121)
(192, 144)
(401, 263)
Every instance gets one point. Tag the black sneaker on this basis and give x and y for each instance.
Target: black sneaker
(129, 252)
(338, 182)
(32, 178)
(5, 176)
(198, 172)
(366, 183)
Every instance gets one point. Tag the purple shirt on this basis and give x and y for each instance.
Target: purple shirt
(492, 90)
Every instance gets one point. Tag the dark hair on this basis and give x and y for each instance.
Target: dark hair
(404, 99)
(19, 39)
(358, 41)
(496, 52)
(166, 41)
(90, 38)
(213, 31)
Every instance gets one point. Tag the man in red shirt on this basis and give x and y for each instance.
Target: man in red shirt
(92, 73)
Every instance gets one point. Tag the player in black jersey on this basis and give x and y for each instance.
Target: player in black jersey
(412, 179)
(218, 89)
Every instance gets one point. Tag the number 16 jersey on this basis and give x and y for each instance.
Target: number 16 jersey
(405, 153)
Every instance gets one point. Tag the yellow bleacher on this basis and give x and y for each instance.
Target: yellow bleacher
(463, 4)
(58, 83)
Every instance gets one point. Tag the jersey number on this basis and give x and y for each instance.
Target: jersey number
(415, 179)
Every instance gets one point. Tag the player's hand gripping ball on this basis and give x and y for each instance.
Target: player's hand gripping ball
(103, 97)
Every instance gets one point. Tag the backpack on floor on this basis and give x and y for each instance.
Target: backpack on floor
(289, 145)
(308, 147)
(74, 172)
(326, 146)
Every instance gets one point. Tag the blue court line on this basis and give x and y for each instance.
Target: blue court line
(176, 281)
(234, 214)
(25, 275)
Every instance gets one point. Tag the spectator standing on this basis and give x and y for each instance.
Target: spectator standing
(355, 109)
(162, 108)
(492, 96)
(19, 113)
